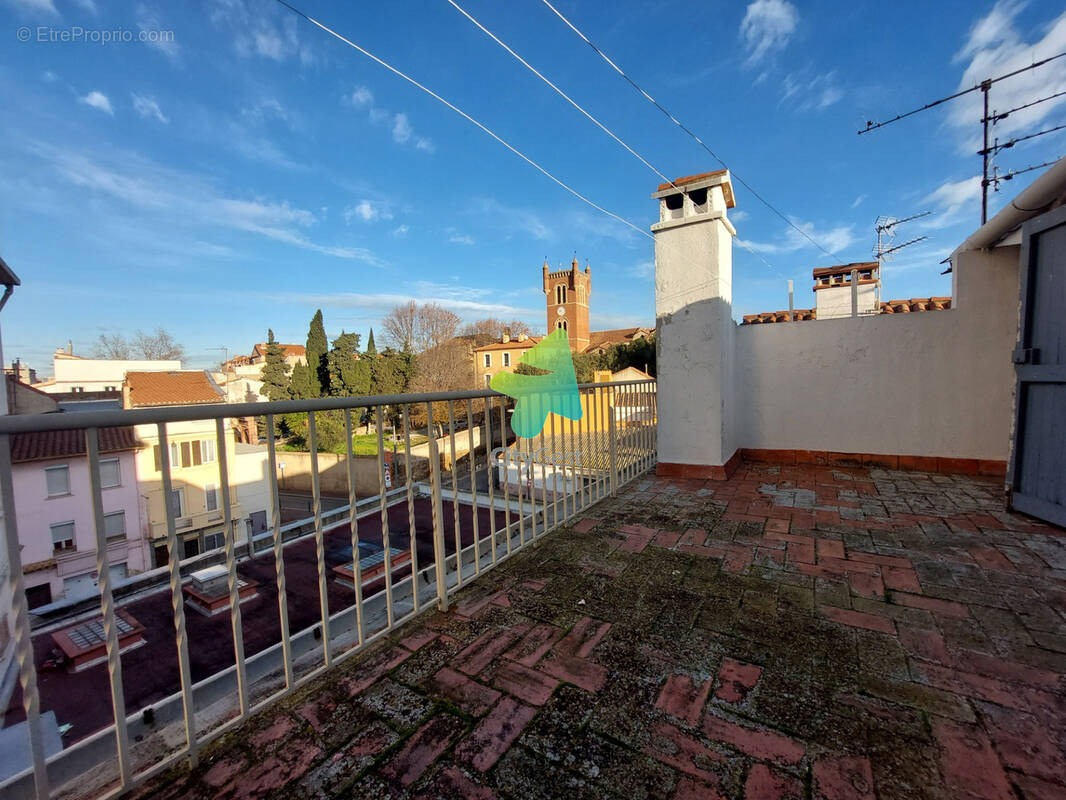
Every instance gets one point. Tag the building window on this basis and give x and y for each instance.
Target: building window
(37, 596)
(211, 496)
(62, 536)
(115, 525)
(561, 324)
(488, 359)
(560, 295)
(58, 480)
(110, 473)
(207, 451)
(507, 359)
(488, 379)
(177, 502)
(214, 541)
(581, 294)
(190, 547)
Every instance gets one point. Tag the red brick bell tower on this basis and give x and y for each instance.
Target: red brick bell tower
(567, 294)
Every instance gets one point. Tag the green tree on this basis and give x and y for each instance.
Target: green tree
(317, 348)
(275, 372)
(348, 375)
(371, 348)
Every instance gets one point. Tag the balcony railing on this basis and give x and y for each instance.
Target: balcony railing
(439, 527)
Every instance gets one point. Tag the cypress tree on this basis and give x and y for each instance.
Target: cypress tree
(275, 372)
(371, 348)
(317, 348)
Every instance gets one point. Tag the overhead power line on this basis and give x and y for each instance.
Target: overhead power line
(593, 119)
(467, 117)
(688, 131)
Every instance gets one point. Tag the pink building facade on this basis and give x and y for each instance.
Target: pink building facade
(53, 510)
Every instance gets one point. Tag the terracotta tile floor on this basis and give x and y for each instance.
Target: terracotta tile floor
(795, 632)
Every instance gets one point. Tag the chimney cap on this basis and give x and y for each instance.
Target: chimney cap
(719, 177)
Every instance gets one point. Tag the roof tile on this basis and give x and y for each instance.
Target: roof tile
(41, 445)
(171, 389)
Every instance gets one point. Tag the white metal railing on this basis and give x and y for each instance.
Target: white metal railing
(556, 475)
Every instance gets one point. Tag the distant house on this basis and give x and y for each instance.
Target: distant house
(834, 288)
(22, 373)
(501, 356)
(294, 354)
(71, 373)
(241, 376)
(56, 529)
(195, 499)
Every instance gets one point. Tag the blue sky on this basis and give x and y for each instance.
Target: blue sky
(253, 168)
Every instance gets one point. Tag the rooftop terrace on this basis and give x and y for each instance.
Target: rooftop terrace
(793, 632)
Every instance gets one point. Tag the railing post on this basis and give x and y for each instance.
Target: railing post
(439, 554)
(31, 700)
(612, 444)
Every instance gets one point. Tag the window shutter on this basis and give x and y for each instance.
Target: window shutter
(158, 458)
(186, 459)
(196, 460)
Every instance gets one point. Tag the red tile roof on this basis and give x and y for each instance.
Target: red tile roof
(171, 389)
(887, 307)
(42, 445)
(842, 269)
(291, 350)
(691, 179)
(599, 339)
(798, 315)
(514, 344)
(916, 304)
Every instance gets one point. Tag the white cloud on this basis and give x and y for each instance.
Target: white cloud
(955, 197)
(738, 216)
(183, 200)
(368, 211)
(461, 238)
(858, 200)
(148, 107)
(451, 298)
(994, 46)
(259, 32)
(158, 37)
(767, 27)
(504, 216)
(644, 270)
(401, 128)
(99, 101)
(268, 108)
(399, 124)
(833, 239)
(35, 7)
(49, 77)
(399, 232)
(811, 93)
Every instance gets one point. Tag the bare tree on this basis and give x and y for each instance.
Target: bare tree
(417, 328)
(157, 346)
(151, 346)
(448, 367)
(114, 346)
(496, 328)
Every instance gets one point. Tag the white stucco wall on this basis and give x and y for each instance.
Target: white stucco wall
(933, 383)
(97, 374)
(836, 300)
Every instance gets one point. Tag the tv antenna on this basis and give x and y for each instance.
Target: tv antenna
(986, 150)
(886, 232)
